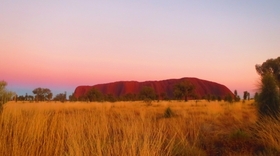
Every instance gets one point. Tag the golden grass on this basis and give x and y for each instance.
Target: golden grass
(134, 128)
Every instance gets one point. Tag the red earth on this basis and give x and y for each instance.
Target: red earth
(121, 88)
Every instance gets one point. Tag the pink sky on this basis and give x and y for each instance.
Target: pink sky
(60, 45)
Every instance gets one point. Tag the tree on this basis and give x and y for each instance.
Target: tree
(270, 66)
(213, 98)
(5, 95)
(3, 91)
(42, 94)
(147, 94)
(269, 97)
(83, 98)
(25, 98)
(110, 98)
(246, 95)
(60, 97)
(94, 95)
(72, 97)
(256, 96)
(208, 97)
(49, 96)
(129, 97)
(183, 90)
(228, 98)
(236, 96)
(38, 94)
(21, 98)
(163, 96)
(235, 92)
(30, 98)
(219, 98)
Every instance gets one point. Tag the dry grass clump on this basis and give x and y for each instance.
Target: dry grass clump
(133, 128)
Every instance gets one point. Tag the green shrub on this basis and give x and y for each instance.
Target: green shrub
(269, 97)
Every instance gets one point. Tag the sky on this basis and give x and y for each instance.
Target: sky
(63, 44)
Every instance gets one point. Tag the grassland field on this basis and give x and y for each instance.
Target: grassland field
(165, 128)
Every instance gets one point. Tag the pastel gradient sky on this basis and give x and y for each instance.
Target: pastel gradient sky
(63, 44)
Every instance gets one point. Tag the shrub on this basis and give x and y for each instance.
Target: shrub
(147, 94)
(94, 95)
(168, 113)
(5, 95)
(183, 90)
(269, 97)
(228, 98)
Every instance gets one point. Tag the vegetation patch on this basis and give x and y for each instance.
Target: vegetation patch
(168, 113)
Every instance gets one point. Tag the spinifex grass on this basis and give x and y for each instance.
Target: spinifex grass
(133, 128)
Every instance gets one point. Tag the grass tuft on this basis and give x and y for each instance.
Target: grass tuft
(168, 113)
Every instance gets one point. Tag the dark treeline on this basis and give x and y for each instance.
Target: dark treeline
(181, 91)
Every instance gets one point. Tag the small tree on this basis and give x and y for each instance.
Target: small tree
(235, 92)
(228, 98)
(270, 66)
(21, 98)
(183, 90)
(164, 96)
(236, 96)
(94, 95)
(110, 98)
(60, 97)
(219, 98)
(269, 97)
(72, 98)
(213, 98)
(49, 96)
(42, 94)
(208, 97)
(147, 94)
(5, 95)
(256, 96)
(129, 97)
(246, 95)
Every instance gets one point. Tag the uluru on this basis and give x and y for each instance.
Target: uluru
(122, 88)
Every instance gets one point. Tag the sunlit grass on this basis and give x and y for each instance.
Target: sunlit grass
(135, 128)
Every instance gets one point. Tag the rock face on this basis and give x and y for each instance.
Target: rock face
(122, 88)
